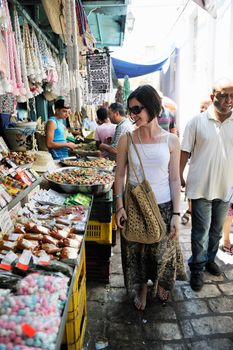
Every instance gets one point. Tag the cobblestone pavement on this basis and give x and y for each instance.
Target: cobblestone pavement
(192, 320)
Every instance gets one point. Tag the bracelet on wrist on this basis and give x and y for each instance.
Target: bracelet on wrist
(176, 214)
(119, 209)
(120, 195)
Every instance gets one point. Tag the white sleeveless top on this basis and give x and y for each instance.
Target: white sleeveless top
(155, 159)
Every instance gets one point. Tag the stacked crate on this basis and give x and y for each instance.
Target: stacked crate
(77, 311)
(99, 238)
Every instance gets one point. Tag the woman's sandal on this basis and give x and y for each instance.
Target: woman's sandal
(185, 218)
(227, 249)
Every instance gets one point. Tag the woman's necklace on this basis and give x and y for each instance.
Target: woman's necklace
(141, 144)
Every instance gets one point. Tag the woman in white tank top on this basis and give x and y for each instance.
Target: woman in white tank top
(162, 262)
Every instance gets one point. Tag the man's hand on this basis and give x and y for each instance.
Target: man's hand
(72, 146)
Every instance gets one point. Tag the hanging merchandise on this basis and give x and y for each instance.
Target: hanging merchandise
(98, 71)
(7, 103)
(64, 78)
(62, 87)
(48, 61)
(26, 93)
(14, 71)
(50, 92)
(73, 55)
(3, 56)
(3, 66)
(84, 27)
(52, 75)
(38, 55)
(32, 63)
(55, 86)
(3, 18)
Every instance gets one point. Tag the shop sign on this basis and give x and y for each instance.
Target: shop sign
(98, 73)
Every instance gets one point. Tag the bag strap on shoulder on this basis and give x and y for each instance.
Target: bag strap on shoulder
(131, 141)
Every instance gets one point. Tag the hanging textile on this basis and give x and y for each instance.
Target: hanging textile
(25, 93)
(14, 71)
(64, 78)
(83, 26)
(70, 54)
(52, 75)
(4, 83)
(32, 64)
(7, 104)
(3, 56)
(35, 46)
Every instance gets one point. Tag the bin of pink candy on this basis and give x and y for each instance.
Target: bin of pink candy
(33, 305)
(37, 283)
(37, 331)
(32, 316)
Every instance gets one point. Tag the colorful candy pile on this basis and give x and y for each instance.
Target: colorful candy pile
(32, 316)
(23, 305)
(36, 283)
(30, 331)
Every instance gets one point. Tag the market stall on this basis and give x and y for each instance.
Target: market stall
(43, 259)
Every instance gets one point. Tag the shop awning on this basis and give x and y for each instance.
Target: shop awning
(123, 68)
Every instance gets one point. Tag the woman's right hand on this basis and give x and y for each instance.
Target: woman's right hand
(121, 217)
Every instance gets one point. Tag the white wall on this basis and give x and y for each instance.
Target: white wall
(205, 55)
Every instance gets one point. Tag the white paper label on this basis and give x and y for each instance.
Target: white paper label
(6, 224)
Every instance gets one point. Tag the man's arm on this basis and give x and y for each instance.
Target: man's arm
(184, 156)
(172, 125)
(108, 148)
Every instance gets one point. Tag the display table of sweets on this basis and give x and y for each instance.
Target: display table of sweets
(43, 276)
(16, 181)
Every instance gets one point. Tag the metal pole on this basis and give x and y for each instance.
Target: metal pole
(33, 24)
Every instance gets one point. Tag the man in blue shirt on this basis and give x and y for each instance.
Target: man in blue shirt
(55, 132)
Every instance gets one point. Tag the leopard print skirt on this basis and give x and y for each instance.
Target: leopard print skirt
(161, 262)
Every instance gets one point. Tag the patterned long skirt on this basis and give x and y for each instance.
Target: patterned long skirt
(161, 262)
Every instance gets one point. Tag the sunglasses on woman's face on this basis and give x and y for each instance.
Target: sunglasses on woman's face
(135, 109)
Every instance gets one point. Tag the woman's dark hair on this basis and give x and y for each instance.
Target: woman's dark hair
(149, 98)
(102, 113)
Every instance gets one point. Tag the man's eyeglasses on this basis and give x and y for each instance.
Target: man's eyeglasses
(135, 109)
(223, 95)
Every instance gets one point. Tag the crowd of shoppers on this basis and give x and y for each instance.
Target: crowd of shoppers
(206, 145)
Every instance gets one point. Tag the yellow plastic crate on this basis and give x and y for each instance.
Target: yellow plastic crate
(101, 232)
(81, 271)
(75, 327)
(76, 298)
(78, 345)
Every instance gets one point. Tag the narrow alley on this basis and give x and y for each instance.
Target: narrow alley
(191, 320)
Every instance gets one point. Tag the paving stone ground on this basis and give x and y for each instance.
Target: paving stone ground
(191, 320)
